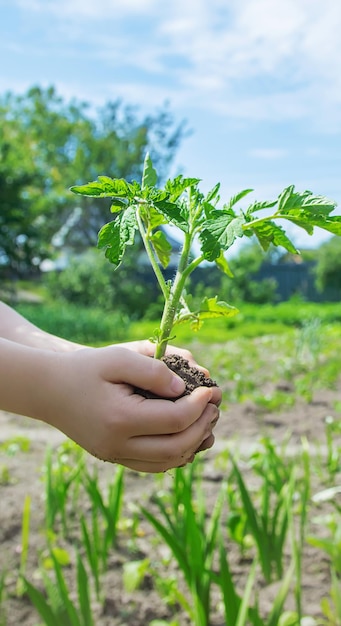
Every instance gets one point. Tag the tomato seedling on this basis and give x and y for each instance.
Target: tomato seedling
(145, 208)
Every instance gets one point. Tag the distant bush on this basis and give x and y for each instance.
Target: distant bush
(328, 268)
(83, 325)
(90, 280)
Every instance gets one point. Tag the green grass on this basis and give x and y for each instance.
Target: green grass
(95, 327)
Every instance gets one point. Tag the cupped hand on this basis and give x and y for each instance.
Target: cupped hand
(92, 400)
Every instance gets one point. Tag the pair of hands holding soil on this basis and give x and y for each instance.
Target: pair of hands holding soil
(90, 395)
(113, 422)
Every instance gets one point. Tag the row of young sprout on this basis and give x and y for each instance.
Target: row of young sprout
(266, 517)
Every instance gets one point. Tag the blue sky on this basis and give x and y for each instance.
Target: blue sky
(258, 81)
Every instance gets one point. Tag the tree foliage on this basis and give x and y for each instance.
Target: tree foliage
(328, 266)
(46, 144)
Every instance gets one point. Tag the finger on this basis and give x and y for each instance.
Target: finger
(163, 417)
(177, 445)
(207, 443)
(141, 371)
(150, 467)
(216, 395)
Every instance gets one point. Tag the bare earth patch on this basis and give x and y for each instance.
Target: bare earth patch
(240, 426)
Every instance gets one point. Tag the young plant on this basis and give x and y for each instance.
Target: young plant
(180, 204)
(181, 521)
(55, 606)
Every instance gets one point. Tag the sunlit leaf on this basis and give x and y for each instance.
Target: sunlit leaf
(210, 308)
(174, 213)
(267, 232)
(162, 247)
(220, 232)
(149, 176)
(176, 187)
(116, 235)
(222, 264)
(291, 202)
(237, 197)
(104, 187)
(62, 557)
(213, 194)
(134, 573)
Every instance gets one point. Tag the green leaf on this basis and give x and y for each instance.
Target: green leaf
(267, 232)
(213, 194)
(104, 187)
(149, 176)
(292, 202)
(62, 557)
(175, 214)
(259, 206)
(38, 600)
(134, 573)
(210, 308)
(237, 197)
(331, 224)
(220, 232)
(152, 217)
(223, 265)
(83, 593)
(118, 204)
(162, 247)
(116, 235)
(176, 187)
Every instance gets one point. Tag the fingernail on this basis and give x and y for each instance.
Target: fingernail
(177, 385)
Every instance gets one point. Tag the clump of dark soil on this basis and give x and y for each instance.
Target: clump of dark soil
(192, 376)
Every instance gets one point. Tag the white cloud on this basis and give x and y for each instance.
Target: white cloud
(254, 59)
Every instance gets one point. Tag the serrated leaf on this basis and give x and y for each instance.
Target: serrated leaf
(210, 308)
(174, 213)
(162, 247)
(331, 224)
(259, 206)
(118, 204)
(176, 187)
(213, 194)
(220, 233)
(152, 217)
(223, 265)
(149, 176)
(104, 187)
(267, 232)
(116, 235)
(238, 196)
(303, 204)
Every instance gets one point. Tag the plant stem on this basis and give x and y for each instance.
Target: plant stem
(151, 257)
(259, 220)
(173, 298)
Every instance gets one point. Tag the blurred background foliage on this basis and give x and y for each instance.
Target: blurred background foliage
(48, 235)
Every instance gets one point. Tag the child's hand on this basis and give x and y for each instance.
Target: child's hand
(92, 400)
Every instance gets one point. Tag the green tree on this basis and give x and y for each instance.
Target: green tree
(46, 145)
(328, 266)
(89, 280)
(243, 287)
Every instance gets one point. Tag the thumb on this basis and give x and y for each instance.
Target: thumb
(145, 372)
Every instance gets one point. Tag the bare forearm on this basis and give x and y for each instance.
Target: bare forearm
(26, 375)
(16, 328)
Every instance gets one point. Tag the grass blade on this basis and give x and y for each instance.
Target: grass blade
(40, 604)
(83, 593)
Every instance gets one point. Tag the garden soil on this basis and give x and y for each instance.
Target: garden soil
(240, 426)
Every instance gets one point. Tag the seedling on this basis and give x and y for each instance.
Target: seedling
(200, 220)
